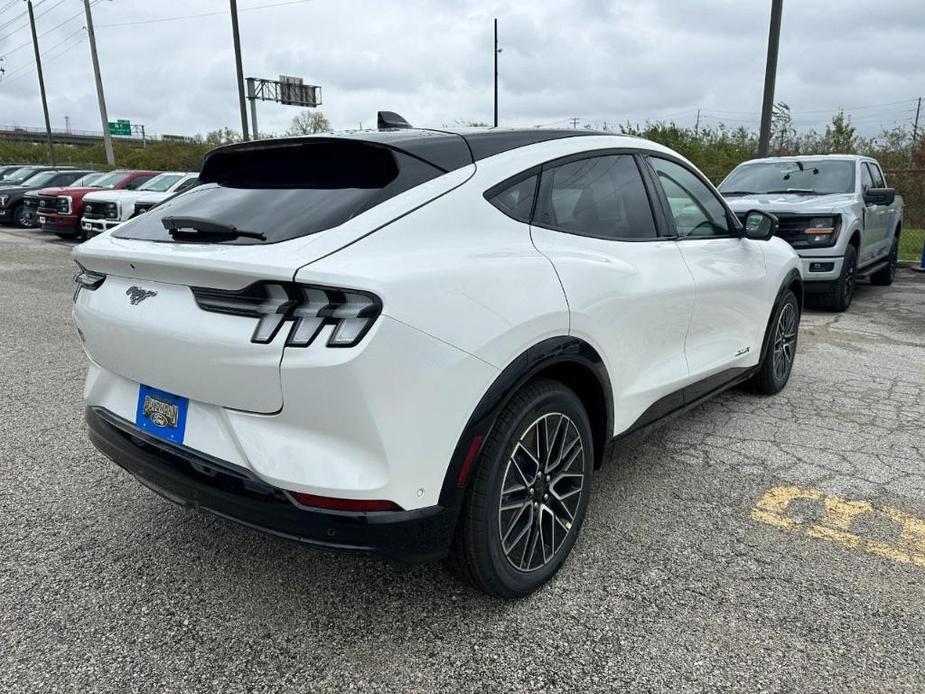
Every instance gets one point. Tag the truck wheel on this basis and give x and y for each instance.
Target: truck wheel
(19, 216)
(777, 361)
(528, 494)
(884, 277)
(843, 291)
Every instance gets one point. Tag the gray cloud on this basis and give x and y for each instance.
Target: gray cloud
(432, 61)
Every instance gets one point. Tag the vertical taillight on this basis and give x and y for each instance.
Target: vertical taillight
(87, 279)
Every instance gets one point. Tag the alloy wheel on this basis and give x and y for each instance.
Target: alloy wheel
(541, 491)
(848, 285)
(785, 341)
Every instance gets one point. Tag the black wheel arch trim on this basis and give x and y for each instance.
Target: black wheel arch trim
(552, 352)
(791, 277)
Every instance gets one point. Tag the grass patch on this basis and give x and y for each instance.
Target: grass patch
(910, 244)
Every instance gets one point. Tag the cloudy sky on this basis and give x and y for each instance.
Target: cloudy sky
(431, 61)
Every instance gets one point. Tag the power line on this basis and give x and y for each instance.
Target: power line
(38, 16)
(202, 14)
(25, 73)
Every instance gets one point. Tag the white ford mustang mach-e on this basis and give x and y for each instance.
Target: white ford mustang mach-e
(420, 343)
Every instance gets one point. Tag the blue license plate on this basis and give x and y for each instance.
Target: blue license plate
(161, 414)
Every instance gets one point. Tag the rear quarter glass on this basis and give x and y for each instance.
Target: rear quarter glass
(293, 194)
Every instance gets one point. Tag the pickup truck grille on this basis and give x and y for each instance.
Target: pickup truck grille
(48, 203)
(790, 227)
(30, 203)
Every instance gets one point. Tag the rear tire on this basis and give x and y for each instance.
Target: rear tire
(843, 290)
(885, 276)
(777, 361)
(528, 494)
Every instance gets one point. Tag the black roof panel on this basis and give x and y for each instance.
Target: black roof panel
(446, 149)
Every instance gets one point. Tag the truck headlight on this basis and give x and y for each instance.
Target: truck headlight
(64, 204)
(823, 230)
(111, 210)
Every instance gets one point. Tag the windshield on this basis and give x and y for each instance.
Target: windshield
(39, 179)
(110, 180)
(160, 184)
(87, 180)
(19, 175)
(802, 176)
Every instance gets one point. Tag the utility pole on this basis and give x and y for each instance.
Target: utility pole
(107, 136)
(239, 68)
(915, 126)
(497, 51)
(252, 95)
(575, 120)
(770, 75)
(38, 65)
(697, 123)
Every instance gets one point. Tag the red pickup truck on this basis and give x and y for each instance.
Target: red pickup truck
(59, 209)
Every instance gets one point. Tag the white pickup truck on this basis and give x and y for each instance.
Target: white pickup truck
(835, 210)
(109, 208)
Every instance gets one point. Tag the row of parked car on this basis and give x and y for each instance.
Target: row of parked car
(79, 203)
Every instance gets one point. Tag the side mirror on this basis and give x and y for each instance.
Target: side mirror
(879, 196)
(760, 226)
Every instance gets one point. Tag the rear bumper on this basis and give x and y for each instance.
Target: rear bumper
(201, 482)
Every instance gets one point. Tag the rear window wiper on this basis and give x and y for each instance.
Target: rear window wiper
(198, 228)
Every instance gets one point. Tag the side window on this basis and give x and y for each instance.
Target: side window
(867, 181)
(876, 176)
(696, 210)
(603, 197)
(516, 200)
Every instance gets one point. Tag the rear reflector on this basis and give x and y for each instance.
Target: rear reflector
(474, 448)
(333, 504)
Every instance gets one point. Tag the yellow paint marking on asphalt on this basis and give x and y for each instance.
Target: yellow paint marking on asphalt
(838, 518)
(772, 507)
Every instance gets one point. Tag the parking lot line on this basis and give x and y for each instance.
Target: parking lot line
(838, 519)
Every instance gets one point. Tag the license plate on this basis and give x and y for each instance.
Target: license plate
(161, 413)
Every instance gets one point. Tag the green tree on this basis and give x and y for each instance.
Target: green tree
(840, 137)
(309, 122)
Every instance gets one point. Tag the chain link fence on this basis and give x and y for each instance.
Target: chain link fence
(910, 183)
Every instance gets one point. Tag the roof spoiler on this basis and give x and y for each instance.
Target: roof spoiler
(390, 119)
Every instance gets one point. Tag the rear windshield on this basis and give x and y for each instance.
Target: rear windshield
(287, 193)
(804, 176)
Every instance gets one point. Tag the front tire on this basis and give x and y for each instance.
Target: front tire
(843, 290)
(19, 216)
(777, 362)
(529, 493)
(884, 277)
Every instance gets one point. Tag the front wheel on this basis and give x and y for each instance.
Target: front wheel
(777, 362)
(843, 290)
(19, 216)
(526, 502)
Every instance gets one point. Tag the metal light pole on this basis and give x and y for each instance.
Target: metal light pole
(252, 95)
(240, 70)
(770, 75)
(38, 65)
(107, 136)
(497, 51)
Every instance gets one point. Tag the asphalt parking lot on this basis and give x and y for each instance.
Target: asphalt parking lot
(753, 544)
